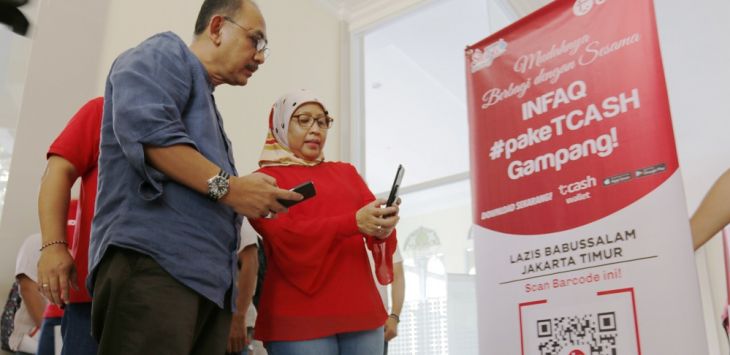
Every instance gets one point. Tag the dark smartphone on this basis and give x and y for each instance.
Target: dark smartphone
(306, 189)
(396, 185)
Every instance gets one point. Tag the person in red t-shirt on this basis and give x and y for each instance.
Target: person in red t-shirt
(319, 295)
(62, 273)
(53, 313)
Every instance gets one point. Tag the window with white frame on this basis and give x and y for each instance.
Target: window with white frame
(15, 51)
(409, 108)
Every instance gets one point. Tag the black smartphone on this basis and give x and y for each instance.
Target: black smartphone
(396, 185)
(306, 189)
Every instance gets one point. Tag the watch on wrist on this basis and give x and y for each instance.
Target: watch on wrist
(218, 186)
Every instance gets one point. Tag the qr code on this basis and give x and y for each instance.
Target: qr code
(591, 334)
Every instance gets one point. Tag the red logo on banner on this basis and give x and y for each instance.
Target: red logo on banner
(566, 127)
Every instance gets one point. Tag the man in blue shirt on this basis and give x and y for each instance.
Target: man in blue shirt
(162, 257)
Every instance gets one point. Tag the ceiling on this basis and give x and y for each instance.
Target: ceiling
(345, 4)
(346, 8)
(352, 10)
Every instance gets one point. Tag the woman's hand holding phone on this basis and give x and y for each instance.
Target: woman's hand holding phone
(378, 221)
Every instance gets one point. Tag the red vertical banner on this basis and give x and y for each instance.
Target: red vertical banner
(579, 213)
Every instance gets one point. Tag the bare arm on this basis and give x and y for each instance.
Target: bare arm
(397, 295)
(251, 195)
(55, 192)
(713, 214)
(398, 289)
(32, 298)
(249, 258)
(55, 266)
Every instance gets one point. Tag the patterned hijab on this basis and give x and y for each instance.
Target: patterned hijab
(276, 151)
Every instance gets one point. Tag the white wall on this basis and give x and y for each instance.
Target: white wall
(693, 38)
(14, 54)
(75, 44)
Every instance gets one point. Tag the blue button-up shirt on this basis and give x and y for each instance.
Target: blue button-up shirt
(159, 94)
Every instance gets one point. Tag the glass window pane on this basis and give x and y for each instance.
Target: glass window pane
(14, 58)
(414, 90)
(435, 223)
(433, 235)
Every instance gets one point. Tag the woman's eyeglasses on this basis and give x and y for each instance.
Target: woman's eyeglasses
(306, 121)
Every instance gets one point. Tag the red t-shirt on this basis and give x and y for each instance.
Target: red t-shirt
(318, 278)
(79, 144)
(53, 311)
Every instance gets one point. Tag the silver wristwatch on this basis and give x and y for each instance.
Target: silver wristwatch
(218, 186)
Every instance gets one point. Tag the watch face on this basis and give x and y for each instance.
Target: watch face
(217, 187)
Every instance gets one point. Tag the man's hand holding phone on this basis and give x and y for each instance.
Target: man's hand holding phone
(256, 195)
(305, 189)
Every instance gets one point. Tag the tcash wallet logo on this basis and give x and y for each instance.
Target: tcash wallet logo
(481, 59)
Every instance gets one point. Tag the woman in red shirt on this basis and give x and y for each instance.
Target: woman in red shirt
(319, 296)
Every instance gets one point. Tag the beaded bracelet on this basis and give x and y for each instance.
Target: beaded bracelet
(394, 316)
(46, 245)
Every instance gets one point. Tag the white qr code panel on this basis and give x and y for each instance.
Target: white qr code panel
(602, 324)
(578, 335)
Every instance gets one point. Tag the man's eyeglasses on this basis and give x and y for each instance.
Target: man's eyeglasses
(306, 121)
(258, 41)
